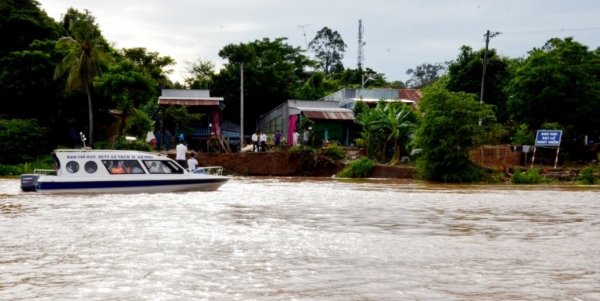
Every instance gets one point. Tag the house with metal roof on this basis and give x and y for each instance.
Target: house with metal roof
(347, 98)
(197, 101)
(332, 123)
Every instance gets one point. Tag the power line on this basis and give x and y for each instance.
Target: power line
(548, 31)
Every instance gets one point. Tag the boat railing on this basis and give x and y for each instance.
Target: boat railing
(43, 172)
(211, 170)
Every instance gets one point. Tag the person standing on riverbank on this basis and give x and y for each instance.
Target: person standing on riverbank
(305, 137)
(168, 137)
(181, 152)
(255, 141)
(263, 142)
(158, 136)
(296, 137)
(277, 138)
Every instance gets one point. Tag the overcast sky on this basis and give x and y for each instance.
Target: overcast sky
(399, 34)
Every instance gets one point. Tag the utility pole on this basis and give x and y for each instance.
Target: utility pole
(487, 42)
(487, 36)
(241, 106)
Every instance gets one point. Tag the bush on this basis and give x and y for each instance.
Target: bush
(587, 177)
(301, 149)
(532, 176)
(357, 169)
(22, 141)
(334, 152)
(44, 162)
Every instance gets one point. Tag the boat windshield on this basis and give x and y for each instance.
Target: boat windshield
(162, 167)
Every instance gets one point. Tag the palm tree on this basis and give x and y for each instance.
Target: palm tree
(395, 121)
(85, 54)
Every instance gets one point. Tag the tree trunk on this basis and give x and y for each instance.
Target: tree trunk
(396, 159)
(91, 115)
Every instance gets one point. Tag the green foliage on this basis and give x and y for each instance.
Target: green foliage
(587, 176)
(139, 145)
(273, 72)
(128, 89)
(360, 142)
(328, 47)
(42, 162)
(11, 170)
(531, 176)
(22, 141)
(447, 132)
(199, 73)
(558, 83)
(386, 123)
(357, 169)
(150, 64)
(139, 125)
(424, 75)
(301, 150)
(305, 123)
(523, 136)
(464, 75)
(334, 152)
(85, 54)
(182, 119)
(23, 22)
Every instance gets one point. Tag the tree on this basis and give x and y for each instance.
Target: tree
(127, 88)
(396, 121)
(558, 83)
(85, 54)
(424, 75)
(273, 72)
(199, 73)
(22, 22)
(447, 132)
(150, 63)
(329, 49)
(464, 75)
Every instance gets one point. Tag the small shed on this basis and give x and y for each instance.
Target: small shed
(331, 121)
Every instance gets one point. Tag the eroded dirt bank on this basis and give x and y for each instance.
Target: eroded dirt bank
(285, 164)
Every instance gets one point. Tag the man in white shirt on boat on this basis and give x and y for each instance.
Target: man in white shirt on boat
(192, 162)
(181, 153)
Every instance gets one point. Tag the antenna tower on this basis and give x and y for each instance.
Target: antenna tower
(304, 31)
(361, 52)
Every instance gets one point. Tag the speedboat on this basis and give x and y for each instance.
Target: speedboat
(119, 171)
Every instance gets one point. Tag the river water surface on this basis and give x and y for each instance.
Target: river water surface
(303, 239)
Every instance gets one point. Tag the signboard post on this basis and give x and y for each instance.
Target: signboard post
(547, 138)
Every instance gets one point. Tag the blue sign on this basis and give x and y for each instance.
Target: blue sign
(548, 138)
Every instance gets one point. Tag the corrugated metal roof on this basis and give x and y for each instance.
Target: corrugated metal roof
(329, 115)
(410, 94)
(188, 102)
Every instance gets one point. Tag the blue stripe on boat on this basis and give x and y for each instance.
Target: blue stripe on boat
(122, 184)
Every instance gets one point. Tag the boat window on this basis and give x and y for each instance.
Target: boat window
(123, 166)
(90, 167)
(56, 162)
(163, 167)
(72, 166)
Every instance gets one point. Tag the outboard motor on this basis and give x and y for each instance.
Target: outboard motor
(29, 182)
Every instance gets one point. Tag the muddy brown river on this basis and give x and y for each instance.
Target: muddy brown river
(304, 239)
